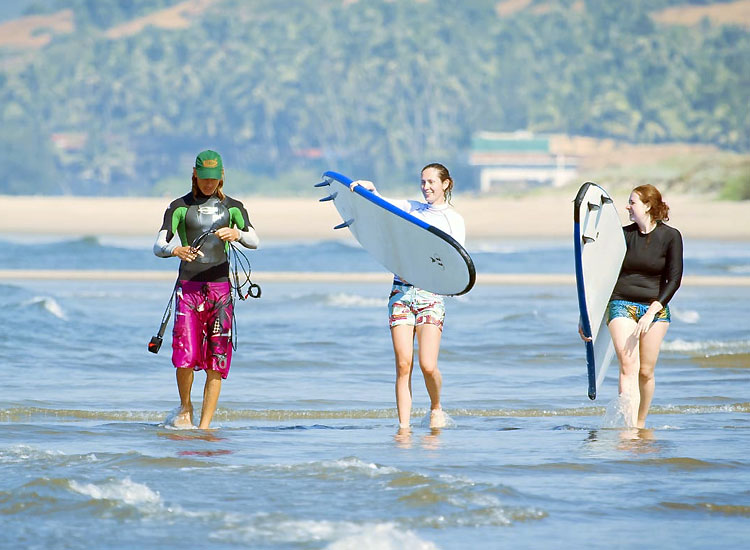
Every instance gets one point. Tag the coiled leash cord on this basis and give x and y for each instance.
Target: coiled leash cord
(238, 262)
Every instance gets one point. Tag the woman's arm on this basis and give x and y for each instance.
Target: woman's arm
(247, 238)
(163, 247)
(243, 231)
(672, 269)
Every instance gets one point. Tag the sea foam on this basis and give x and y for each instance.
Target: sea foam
(122, 490)
(48, 304)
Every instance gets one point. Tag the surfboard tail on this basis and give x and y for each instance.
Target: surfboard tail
(330, 197)
(599, 247)
(342, 225)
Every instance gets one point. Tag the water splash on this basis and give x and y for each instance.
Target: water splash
(447, 421)
(177, 421)
(621, 412)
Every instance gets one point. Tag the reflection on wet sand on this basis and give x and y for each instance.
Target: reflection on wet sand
(634, 440)
(192, 435)
(430, 441)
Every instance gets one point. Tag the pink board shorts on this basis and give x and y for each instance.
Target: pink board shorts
(202, 334)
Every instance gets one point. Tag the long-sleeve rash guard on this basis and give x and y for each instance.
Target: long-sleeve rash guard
(443, 217)
(652, 268)
(189, 217)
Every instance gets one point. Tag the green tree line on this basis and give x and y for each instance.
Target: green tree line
(375, 88)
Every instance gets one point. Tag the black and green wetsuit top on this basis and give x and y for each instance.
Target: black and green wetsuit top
(191, 216)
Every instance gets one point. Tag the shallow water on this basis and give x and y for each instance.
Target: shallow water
(306, 452)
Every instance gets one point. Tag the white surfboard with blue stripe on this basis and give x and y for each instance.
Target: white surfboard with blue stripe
(599, 252)
(419, 253)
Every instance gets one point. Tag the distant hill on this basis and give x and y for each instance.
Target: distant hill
(116, 98)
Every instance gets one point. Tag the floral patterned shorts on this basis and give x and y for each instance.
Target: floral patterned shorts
(409, 305)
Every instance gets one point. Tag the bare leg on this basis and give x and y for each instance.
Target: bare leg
(649, 353)
(403, 349)
(428, 337)
(184, 418)
(626, 345)
(211, 392)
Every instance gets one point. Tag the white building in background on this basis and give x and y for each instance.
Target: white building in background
(519, 159)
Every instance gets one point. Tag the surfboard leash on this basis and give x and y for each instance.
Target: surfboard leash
(156, 341)
(238, 261)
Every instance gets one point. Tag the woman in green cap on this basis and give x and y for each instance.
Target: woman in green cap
(198, 228)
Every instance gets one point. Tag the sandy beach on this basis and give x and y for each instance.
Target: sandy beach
(487, 218)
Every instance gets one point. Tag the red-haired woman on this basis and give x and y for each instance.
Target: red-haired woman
(638, 313)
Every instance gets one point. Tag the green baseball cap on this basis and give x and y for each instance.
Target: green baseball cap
(208, 165)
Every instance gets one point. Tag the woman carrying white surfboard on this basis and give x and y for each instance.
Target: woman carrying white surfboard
(638, 313)
(417, 312)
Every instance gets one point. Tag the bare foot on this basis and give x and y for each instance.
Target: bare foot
(437, 418)
(184, 418)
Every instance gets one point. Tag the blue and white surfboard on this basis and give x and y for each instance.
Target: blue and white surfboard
(416, 251)
(599, 246)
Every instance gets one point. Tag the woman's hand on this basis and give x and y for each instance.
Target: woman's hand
(228, 234)
(186, 253)
(645, 322)
(364, 183)
(583, 336)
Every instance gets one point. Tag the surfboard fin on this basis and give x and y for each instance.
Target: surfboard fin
(607, 200)
(329, 197)
(587, 240)
(593, 206)
(347, 223)
(322, 184)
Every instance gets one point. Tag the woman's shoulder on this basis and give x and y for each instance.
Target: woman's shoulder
(453, 212)
(230, 202)
(185, 200)
(413, 204)
(668, 231)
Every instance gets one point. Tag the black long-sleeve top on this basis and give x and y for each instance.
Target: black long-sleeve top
(652, 268)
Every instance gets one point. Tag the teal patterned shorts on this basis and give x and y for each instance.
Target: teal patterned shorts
(634, 311)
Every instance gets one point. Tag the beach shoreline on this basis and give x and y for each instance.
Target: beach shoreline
(487, 217)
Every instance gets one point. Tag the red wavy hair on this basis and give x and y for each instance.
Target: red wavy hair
(651, 197)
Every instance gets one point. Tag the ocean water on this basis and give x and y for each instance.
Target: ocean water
(305, 453)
